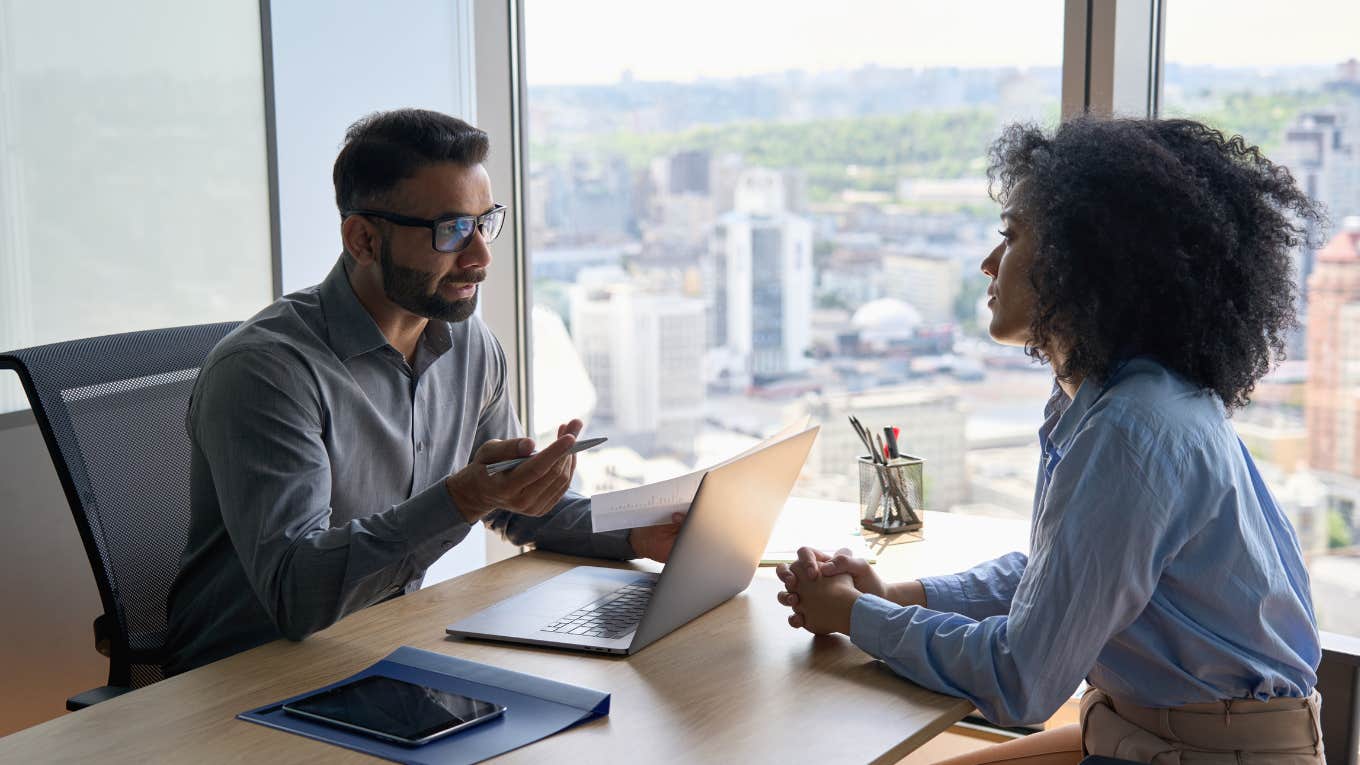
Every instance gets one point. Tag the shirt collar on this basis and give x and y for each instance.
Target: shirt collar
(352, 329)
(437, 339)
(1053, 410)
(1073, 411)
(1063, 415)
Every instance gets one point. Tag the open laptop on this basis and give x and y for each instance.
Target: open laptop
(616, 611)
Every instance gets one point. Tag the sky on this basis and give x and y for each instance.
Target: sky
(596, 41)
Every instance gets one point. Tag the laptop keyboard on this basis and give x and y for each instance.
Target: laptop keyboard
(613, 615)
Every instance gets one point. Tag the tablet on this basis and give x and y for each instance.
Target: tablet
(394, 710)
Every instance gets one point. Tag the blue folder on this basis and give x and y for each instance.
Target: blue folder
(535, 708)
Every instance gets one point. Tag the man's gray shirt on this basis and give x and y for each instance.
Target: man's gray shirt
(316, 479)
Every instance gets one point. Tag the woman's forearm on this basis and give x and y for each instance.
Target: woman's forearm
(911, 593)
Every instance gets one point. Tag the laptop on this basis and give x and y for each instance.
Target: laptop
(608, 610)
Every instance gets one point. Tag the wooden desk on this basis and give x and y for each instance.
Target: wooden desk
(735, 685)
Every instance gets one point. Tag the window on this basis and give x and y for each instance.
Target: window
(133, 174)
(779, 209)
(1287, 78)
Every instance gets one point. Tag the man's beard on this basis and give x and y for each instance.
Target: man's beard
(407, 288)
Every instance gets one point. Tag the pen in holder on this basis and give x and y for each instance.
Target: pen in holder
(891, 496)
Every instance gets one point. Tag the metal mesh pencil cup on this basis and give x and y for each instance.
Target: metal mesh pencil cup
(892, 496)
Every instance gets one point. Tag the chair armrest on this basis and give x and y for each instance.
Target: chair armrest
(94, 696)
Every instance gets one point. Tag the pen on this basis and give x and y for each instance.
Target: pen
(868, 441)
(863, 437)
(501, 467)
(890, 434)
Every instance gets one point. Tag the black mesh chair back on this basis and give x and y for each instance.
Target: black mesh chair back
(112, 411)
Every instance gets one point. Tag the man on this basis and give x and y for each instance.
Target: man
(341, 435)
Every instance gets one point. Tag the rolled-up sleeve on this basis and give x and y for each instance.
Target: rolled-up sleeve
(983, 590)
(258, 421)
(1101, 541)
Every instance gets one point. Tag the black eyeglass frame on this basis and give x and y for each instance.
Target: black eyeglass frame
(433, 225)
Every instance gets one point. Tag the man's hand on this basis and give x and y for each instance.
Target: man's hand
(532, 488)
(655, 542)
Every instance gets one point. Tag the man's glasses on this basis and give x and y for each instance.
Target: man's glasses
(448, 234)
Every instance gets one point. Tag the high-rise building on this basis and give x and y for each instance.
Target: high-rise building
(644, 353)
(680, 210)
(690, 172)
(761, 191)
(587, 198)
(1322, 151)
(761, 292)
(929, 283)
(1332, 393)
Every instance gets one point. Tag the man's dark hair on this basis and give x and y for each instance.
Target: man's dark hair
(385, 148)
(1156, 237)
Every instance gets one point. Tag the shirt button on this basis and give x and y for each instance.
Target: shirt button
(420, 447)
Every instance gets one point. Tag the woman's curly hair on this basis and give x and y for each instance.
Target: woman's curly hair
(1156, 237)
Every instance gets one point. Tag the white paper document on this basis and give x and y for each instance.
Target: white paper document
(653, 504)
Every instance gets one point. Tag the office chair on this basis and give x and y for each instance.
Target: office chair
(112, 412)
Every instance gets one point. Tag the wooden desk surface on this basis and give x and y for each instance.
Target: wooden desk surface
(735, 685)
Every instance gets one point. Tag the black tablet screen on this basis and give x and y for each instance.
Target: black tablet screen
(399, 709)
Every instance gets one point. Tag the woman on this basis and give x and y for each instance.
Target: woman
(1148, 262)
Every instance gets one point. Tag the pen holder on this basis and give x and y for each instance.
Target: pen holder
(891, 496)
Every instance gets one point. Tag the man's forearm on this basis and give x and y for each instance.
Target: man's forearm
(566, 529)
(309, 581)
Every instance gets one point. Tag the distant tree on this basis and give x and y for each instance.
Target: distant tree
(1260, 118)
(832, 300)
(929, 144)
(1338, 531)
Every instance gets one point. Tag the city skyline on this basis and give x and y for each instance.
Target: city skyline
(694, 192)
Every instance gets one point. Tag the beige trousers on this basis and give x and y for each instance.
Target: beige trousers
(1245, 732)
(1279, 732)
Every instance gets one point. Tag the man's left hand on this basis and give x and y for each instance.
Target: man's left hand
(655, 542)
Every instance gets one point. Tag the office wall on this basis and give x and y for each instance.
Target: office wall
(50, 598)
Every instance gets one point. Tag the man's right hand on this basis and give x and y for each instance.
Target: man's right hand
(532, 488)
